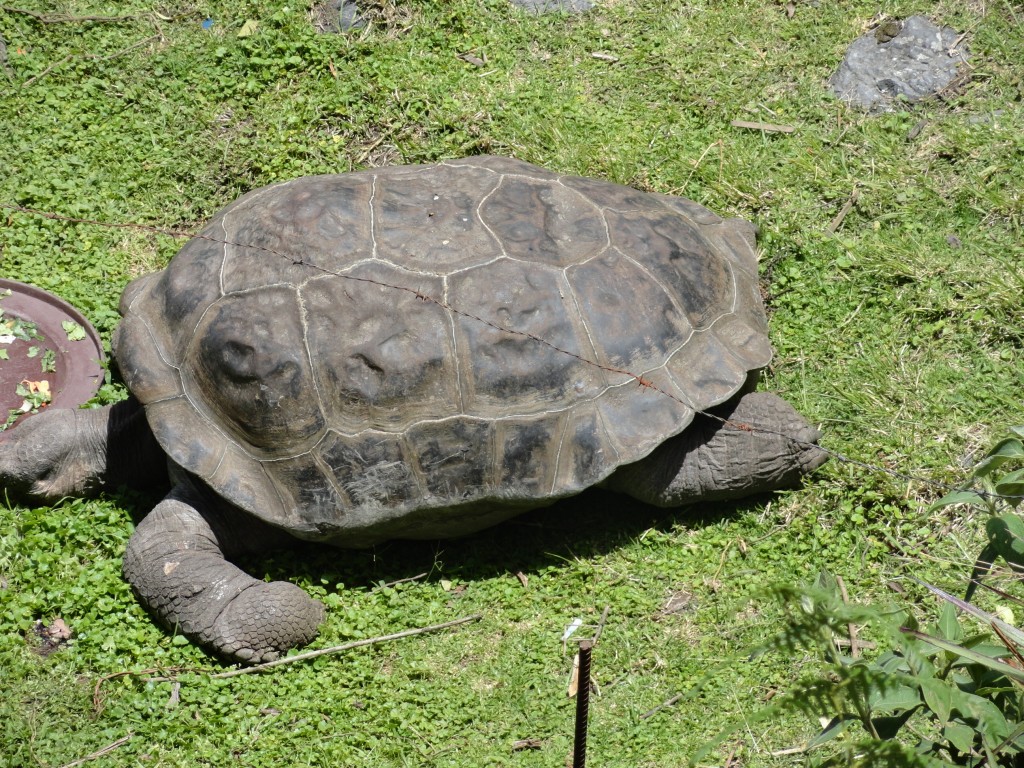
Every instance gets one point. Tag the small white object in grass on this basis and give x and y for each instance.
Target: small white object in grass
(7, 339)
(571, 629)
(1004, 613)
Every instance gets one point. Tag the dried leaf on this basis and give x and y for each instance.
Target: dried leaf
(58, 630)
(469, 58)
(521, 744)
(52, 637)
(681, 601)
(574, 676)
(249, 28)
(522, 578)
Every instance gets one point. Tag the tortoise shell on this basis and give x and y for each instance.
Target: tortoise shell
(386, 353)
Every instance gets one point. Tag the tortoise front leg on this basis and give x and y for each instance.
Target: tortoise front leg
(175, 563)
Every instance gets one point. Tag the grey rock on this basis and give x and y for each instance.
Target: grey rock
(911, 60)
(348, 16)
(335, 16)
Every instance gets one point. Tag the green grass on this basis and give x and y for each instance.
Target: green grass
(907, 350)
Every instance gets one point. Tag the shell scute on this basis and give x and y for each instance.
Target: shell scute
(248, 368)
(528, 450)
(537, 221)
(291, 232)
(373, 470)
(582, 451)
(381, 356)
(450, 455)
(430, 222)
(629, 317)
(521, 357)
(677, 256)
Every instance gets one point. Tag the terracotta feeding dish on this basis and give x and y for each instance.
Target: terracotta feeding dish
(50, 356)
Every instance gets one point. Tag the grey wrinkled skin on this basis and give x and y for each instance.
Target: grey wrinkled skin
(912, 61)
(416, 352)
(176, 563)
(714, 460)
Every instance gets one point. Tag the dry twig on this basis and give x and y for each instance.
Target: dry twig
(63, 18)
(855, 644)
(600, 624)
(345, 647)
(108, 57)
(766, 127)
(663, 705)
(407, 579)
(168, 675)
(100, 752)
(847, 207)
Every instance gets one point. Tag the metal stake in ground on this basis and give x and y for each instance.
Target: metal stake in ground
(579, 748)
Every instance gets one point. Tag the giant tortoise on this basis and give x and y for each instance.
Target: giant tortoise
(416, 352)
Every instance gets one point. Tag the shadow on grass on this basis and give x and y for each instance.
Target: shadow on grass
(589, 525)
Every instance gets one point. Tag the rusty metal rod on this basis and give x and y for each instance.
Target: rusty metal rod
(579, 747)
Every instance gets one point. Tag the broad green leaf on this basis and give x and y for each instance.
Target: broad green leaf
(835, 727)
(981, 567)
(969, 653)
(960, 736)
(1014, 737)
(894, 697)
(1005, 450)
(1019, 431)
(959, 497)
(1006, 534)
(992, 724)
(948, 626)
(889, 727)
(1011, 484)
(1009, 630)
(938, 695)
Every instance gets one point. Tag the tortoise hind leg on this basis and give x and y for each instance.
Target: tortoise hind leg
(713, 461)
(175, 563)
